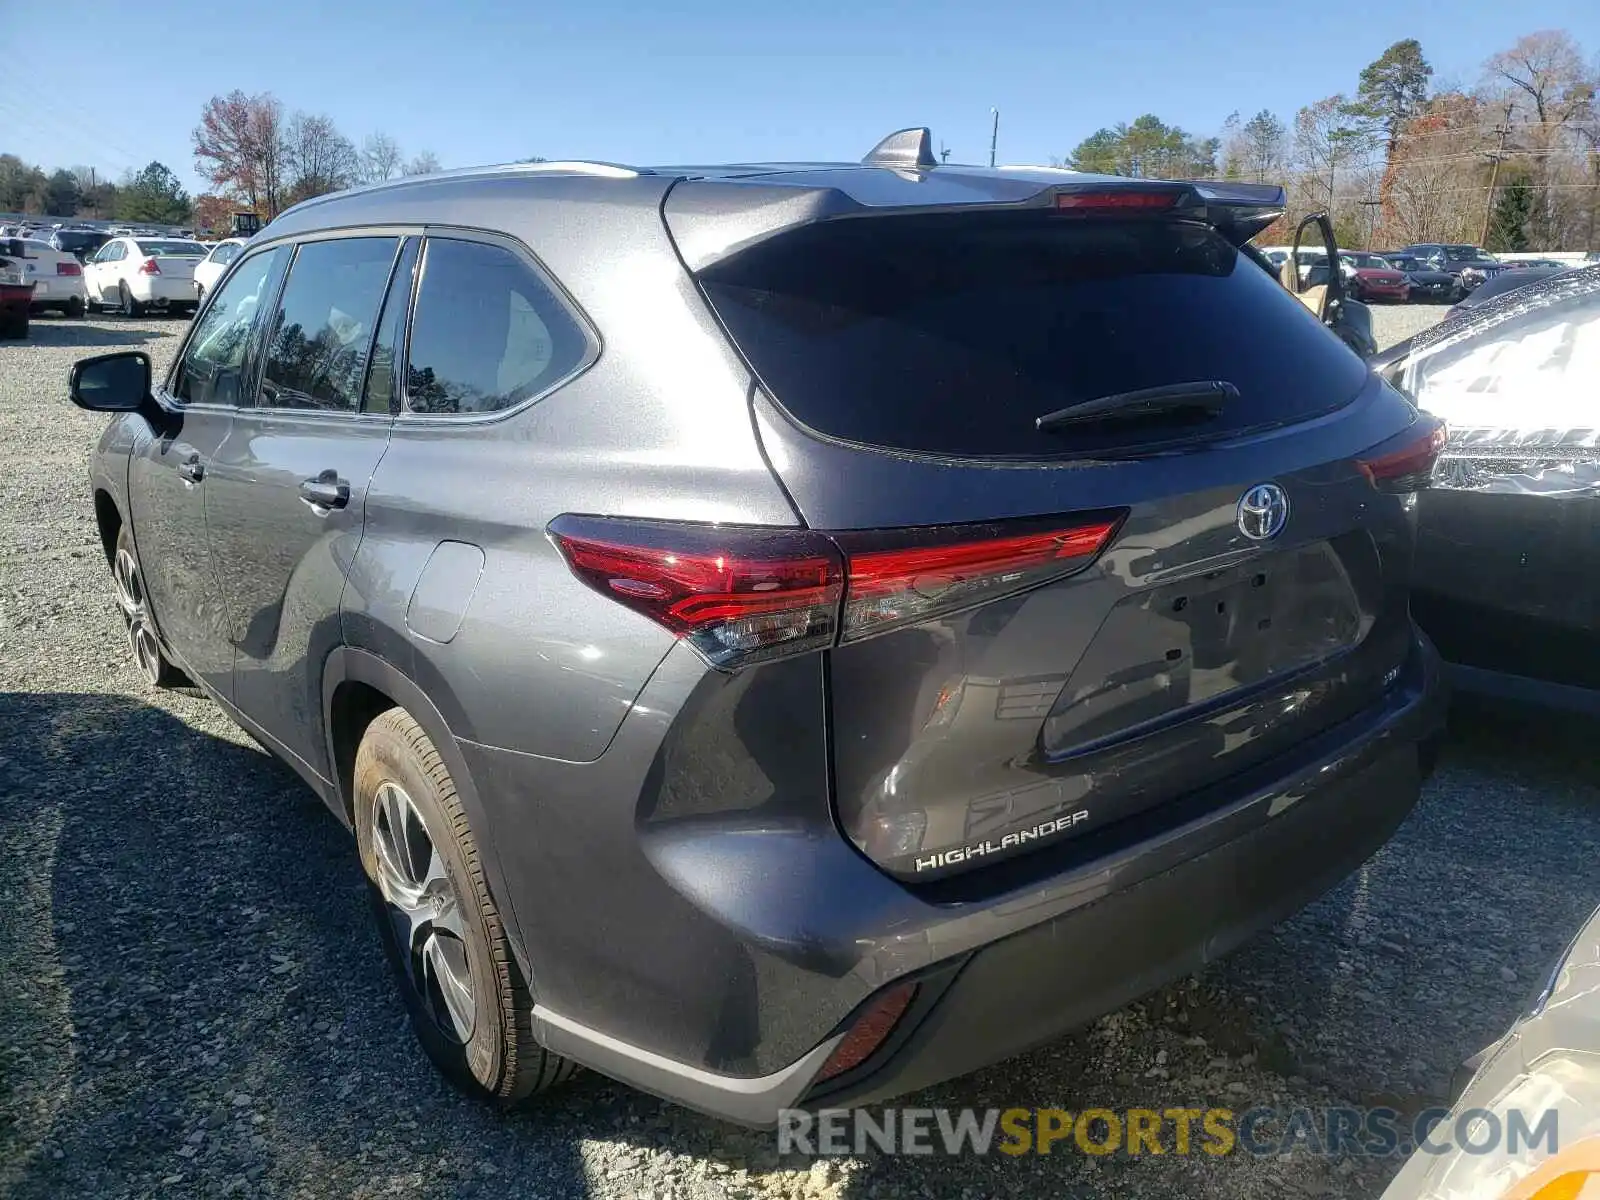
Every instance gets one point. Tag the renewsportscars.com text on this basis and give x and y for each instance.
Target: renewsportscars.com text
(1372, 1132)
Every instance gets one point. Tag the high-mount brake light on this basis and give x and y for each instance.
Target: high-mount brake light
(1405, 462)
(743, 594)
(1117, 200)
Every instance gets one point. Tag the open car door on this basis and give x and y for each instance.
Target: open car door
(1321, 288)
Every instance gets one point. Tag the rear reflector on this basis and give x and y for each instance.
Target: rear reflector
(149, 267)
(942, 571)
(68, 268)
(869, 1030)
(1404, 463)
(744, 594)
(1118, 200)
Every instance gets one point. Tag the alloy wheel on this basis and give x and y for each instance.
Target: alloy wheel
(128, 585)
(424, 910)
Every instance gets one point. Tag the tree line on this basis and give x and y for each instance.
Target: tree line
(1511, 160)
(153, 195)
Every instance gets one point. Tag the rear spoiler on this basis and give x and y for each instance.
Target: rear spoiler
(1239, 211)
(714, 219)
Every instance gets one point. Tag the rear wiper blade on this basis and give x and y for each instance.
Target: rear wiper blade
(1203, 397)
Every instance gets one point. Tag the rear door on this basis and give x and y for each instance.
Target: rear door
(1053, 631)
(169, 476)
(100, 276)
(288, 487)
(1509, 535)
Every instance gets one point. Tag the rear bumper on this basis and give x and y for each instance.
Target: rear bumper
(159, 290)
(793, 943)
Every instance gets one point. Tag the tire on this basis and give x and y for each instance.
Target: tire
(128, 306)
(14, 326)
(89, 304)
(440, 928)
(75, 308)
(127, 585)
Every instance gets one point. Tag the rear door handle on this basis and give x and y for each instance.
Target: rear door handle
(326, 491)
(192, 469)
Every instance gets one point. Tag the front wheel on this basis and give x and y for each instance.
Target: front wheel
(128, 306)
(441, 931)
(127, 582)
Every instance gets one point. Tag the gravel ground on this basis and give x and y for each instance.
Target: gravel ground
(1393, 323)
(192, 1002)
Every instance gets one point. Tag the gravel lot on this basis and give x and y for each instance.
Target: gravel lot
(192, 1002)
(1393, 323)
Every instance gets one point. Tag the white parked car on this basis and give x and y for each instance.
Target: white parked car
(214, 264)
(134, 275)
(57, 278)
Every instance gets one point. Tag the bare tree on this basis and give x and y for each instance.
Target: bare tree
(1548, 92)
(238, 147)
(318, 157)
(426, 162)
(1435, 184)
(1326, 140)
(380, 158)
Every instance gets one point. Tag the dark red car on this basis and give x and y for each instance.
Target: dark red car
(1375, 279)
(16, 296)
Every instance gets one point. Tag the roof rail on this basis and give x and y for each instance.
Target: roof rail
(907, 149)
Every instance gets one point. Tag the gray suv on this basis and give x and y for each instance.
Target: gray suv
(785, 634)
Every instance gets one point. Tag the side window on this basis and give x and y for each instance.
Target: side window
(225, 254)
(488, 332)
(316, 353)
(214, 369)
(380, 394)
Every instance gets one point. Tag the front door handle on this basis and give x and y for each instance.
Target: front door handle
(326, 491)
(192, 469)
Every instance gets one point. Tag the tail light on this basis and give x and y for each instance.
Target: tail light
(68, 268)
(738, 595)
(742, 595)
(1404, 463)
(923, 573)
(149, 267)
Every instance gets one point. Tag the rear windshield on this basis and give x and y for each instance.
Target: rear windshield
(174, 249)
(949, 335)
(80, 241)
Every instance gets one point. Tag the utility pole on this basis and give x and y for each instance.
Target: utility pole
(994, 134)
(944, 152)
(1495, 159)
(1372, 218)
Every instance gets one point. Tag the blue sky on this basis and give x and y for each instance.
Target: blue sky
(717, 80)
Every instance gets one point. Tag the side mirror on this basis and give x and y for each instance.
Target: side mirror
(111, 382)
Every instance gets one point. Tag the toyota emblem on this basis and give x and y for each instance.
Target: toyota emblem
(1263, 512)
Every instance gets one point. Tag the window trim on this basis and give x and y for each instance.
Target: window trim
(324, 414)
(168, 400)
(594, 345)
(249, 250)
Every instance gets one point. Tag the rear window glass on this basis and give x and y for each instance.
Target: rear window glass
(174, 249)
(950, 335)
